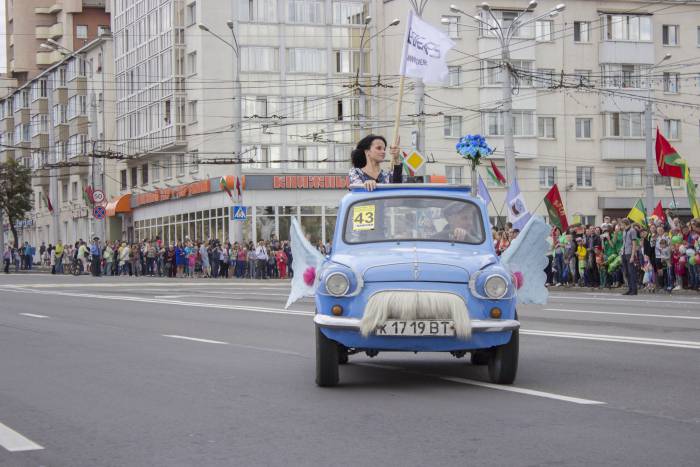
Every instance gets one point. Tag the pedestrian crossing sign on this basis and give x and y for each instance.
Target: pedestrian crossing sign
(240, 213)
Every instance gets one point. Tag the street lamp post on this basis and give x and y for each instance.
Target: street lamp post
(648, 139)
(237, 116)
(504, 37)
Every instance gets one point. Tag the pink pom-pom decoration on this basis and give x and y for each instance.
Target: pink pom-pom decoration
(310, 276)
(518, 279)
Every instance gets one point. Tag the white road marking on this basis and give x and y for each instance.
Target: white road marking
(570, 335)
(498, 387)
(14, 442)
(621, 313)
(609, 338)
(609, 299)
(196, 339)
(171, 283)
(32, 315)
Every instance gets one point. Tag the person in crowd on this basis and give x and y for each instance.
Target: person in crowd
(261, 260)
(108, 255)
(7, 258)
(58, 257)
(366, 160)
(95, 257)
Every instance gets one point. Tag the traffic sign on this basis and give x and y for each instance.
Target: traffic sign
(99, 212)
(98, 196)
(239, 213)
(415, 161)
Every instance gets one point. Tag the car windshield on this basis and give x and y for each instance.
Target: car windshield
(413, 219)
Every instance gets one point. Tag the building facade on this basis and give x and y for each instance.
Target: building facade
(304, 104)
(55, 124)
(583, 78)
(29, 23)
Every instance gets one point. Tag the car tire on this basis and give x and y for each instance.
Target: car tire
(503, 363)
(480, 357)
(343, 355)
(327, 359)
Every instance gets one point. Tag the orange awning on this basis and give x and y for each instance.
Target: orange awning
(121, 204)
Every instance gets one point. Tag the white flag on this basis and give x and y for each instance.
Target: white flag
(424, 51)
(518, 215)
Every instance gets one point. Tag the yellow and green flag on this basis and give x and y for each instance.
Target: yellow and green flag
(692, 197)
(638, 213)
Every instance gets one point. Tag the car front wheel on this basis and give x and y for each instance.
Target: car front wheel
(326, 360)
(503, 363)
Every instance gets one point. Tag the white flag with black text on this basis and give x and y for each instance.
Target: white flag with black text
(425, 51)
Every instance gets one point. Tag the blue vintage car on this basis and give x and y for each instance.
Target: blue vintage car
(413, 269)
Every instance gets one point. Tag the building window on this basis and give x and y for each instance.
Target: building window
(302, 60)
(348, 108)
(134, 176)
(623, 125)
(672, 82)
(548, 175)
(179, 165)
(192, 112)
(523, 123)
(167, 170)
(74, 191)
(453, 126)
(454, 174)
(305, 11)
(619, 75)
(670, 34)
(492, 73)
(625, 28)
(583, 128)
(192, 14)
(81, 32)
(77, 106)
(192, 63)
(583, 77)
(546, 127)
(698, 36)
(155, 171)
(670, 182)
(584, 177)
(543, 30)
(628, 177)
(672, 129)
(451, 26)
(544, 78)
(582, 31)
(144, 174)
(262, 11)
(64, 192)
(259, 59)
(194, 161)
(348, 13)
(348, 61)
(454, 74)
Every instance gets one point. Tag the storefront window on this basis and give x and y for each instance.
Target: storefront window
(330, 227)
(312, 228)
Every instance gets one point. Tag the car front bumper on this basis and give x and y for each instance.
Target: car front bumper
(477, 325)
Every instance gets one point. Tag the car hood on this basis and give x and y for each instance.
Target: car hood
(412, 262)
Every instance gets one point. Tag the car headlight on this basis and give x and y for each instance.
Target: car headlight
(337, 284)
(496, 286)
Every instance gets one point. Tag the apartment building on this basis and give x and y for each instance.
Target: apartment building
(29, 23)
(583, 77)
(52, 124)
(301, 107)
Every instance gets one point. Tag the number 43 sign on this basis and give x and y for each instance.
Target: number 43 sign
(363, 218)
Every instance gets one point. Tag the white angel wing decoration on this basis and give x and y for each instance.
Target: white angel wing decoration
(306, 261)
(527, 257)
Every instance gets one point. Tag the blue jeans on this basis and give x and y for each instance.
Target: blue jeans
(631, 270)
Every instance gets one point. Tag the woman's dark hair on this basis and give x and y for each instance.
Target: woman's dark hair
(358, 157)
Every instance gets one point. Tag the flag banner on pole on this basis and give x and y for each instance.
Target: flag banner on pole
(555, 208)
(668, 161)
(87, 195)
(406, 167)
(223, 184)
(48, 202)
(424, 51)
(239, 189)
(658, 213)
(496, 174)
(692, 196)
(638, 213)
(518, 215)
(482, 192)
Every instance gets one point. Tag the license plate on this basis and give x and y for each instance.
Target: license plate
(421, 327)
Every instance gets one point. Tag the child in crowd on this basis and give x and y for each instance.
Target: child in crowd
(581, 253)
(602, 266)
(678, 265)
(648, 279)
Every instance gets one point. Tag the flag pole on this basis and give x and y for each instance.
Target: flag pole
(397, 121)
(673, 196)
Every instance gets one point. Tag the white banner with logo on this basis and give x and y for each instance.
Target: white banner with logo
(425, 51)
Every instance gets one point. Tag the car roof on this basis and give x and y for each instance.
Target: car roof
(359, 188)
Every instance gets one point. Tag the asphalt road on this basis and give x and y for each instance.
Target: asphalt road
(153, 372)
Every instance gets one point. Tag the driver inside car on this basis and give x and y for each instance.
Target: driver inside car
(462, 225)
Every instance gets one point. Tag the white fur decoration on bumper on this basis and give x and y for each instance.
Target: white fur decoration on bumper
(411, 305)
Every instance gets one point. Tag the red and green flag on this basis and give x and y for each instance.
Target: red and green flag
(668, 161)
(496, 174)
(555, 208)
(658, 213)
(224, 187)
(88, 195)
(48, 202)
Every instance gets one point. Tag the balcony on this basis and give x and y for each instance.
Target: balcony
(633, 53)
(48, 10)
(619, 149)
(616, 103)
(49, 32)
(48, 58)
(39, 106)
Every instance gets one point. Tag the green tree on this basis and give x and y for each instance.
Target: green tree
(15, 193)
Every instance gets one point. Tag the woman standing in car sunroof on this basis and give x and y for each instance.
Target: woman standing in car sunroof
(366, 160)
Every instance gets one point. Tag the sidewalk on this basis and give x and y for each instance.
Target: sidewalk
(618, 291)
